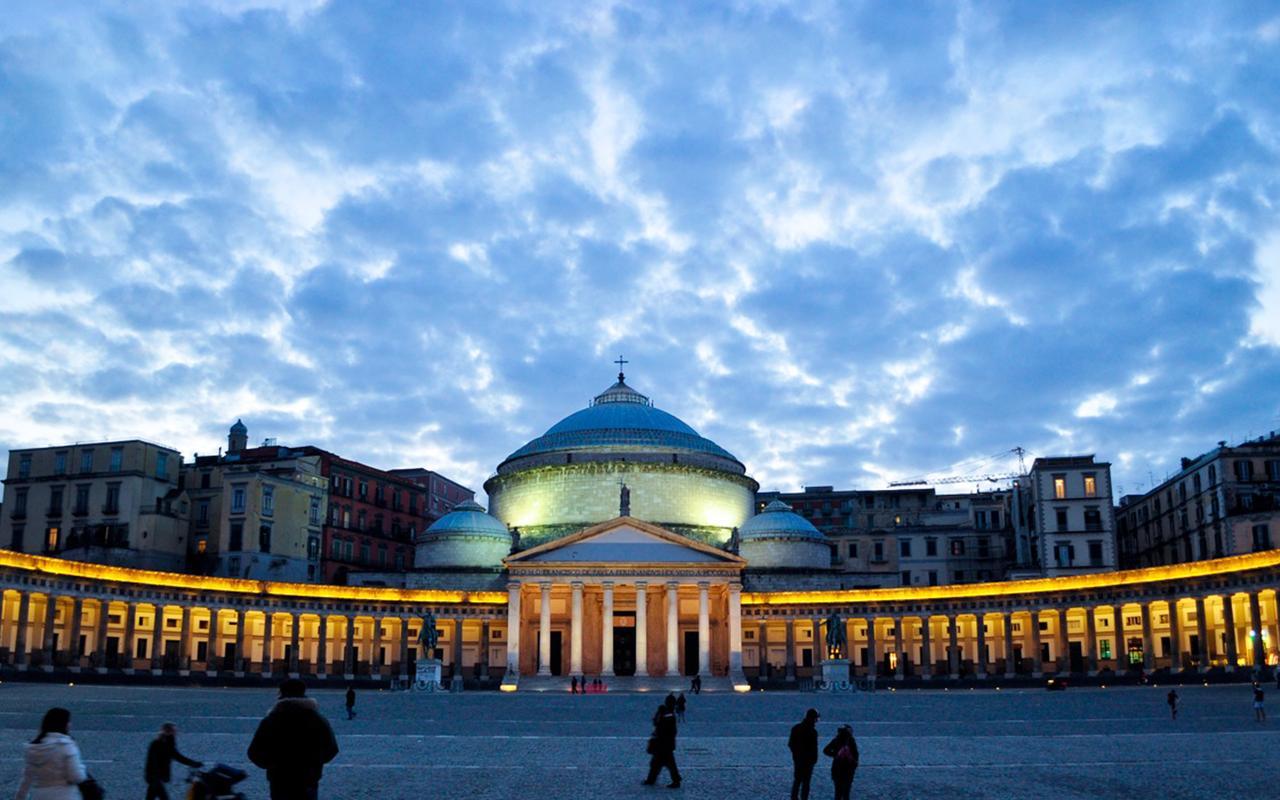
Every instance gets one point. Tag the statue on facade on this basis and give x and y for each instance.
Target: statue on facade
(624, 500)
(429, 635)
(837, 639)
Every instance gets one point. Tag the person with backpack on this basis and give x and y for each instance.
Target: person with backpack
(161, 754)
(843, 751)
(803, 744)
(293, 743)
(662, 745)
(52, 769)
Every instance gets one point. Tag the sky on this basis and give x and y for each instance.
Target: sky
(849, 242)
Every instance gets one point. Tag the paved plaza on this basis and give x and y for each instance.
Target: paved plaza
(1082, 743)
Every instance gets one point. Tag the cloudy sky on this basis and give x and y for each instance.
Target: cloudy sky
(849, 243)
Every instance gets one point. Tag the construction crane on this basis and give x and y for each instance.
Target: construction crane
(991, 477)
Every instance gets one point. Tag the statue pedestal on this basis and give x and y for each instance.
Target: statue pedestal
(835, 675)
(428, 675)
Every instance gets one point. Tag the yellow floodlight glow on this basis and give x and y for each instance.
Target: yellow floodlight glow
(1066, 583)
(507, 687)
(203, 583)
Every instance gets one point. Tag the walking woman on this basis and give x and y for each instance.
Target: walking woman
(53, 770)
(843, 751)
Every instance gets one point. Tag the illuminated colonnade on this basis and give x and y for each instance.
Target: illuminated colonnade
(65, 615)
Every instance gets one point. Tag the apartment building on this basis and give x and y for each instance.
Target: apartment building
(1064, 520)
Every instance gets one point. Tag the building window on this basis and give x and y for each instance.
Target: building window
(24, 465)
(957, 547)
(1061, 514)
(1262, 537)
(51, 537)
(15, 541)
(313, 548)
(1213, 475)
(55, 501)
(930, 547)
(117, 459)
(314, 515)
(906, 577)
(113, 499)
(364, 490)
(933, 577)
(1064, 554)
(237, 499)
(399, 560)
(202, 512)
(904, 548)
(1059, 486)
(1244, 470)
(995, 520)
(264, 538)
(86, 461)
(59, 463)
(162, 465)
(1090, 485)
(82, 499)
(268, 500)
(236, 541)
(1095, 553)
(959, 576)
(361, 520)
(1273, 470)
(364, 552)
(853, 549)
(984, 547)
(204, 480)
(202, 546)
(1092, 518)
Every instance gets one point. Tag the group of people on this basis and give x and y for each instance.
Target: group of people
(292, 743)
(596, 686)
(842, 750)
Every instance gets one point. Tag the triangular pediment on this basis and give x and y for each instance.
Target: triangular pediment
(625, 541)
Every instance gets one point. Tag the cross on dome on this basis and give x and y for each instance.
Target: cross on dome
(620, 362)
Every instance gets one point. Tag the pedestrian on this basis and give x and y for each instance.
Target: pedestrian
(1173, 703)
(161, 753)
(697, 684)
(573, 684)
(662, 745)
(670, 701)
(680, 706)
(803, 744)
(843, 751)
(293, 743)
(351, 702)
(1259, 711)
(52, 769)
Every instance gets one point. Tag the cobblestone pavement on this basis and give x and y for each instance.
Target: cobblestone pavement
(1082, 743)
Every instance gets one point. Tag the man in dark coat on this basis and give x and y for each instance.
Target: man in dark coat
(293, 743)
(160, 754)
(351, 702)
(804, 753)
(662, 745)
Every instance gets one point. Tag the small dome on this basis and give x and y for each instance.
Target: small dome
(778, 521)
(465, 537)
(239, 427)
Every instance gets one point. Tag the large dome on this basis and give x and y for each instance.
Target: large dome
(573, 475)
(620, 418)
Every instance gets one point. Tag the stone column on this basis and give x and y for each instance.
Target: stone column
(215, 628)
(1255, 627)
(980, 620)
(764, 667)
(1010, 663)
(239, 662)
(791, 650)
(184, 637)
(575, 629)
(50, 623)
(1037, 663)
(349, 653)
(704, 629)
(900, 671)
(953, 646)
(295, 626)
(375, 651)
(926, 648)
(157, 640)
(642, 628)
(484, 650)
(1091, 642)
(1202, 633)
(1061, 642)
(130, 623)
(735, 631)
(404, 648)
(322, 647)
(544, 631)
(606, 632)
(1148, 641)
(457, 655)
(1175, 637)
(673, 629)
(871, 647)
(1229, 621)
(100, 635)
(77, 614)
(20, 637)
(513, 631)
(267, 631)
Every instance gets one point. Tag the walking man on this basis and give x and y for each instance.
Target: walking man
(662, 745)
(1259, 710)
(351, 702)
(1173, 703)
(162, 751)
(293, 743)
(804, 753)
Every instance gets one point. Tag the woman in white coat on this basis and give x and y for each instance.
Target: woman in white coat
(53, 769)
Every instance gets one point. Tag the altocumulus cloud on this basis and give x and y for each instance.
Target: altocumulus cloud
(850, 242)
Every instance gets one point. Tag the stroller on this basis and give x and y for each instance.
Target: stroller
(215, 783)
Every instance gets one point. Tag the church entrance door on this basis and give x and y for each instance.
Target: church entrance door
(690, 652)
(557, 642)
(624, 651)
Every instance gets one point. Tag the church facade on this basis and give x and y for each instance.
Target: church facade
(622, 545)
